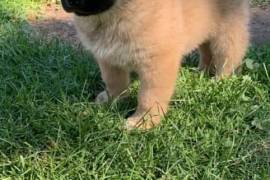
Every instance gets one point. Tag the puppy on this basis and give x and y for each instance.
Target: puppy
(151, 36)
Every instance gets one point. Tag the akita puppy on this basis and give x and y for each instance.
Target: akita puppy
(151, 36)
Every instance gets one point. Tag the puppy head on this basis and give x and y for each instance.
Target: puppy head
(87, 7)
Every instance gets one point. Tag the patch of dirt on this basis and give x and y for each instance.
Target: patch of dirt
(54, 22)
(260, 25)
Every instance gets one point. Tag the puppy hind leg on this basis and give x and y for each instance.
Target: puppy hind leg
(205, 63)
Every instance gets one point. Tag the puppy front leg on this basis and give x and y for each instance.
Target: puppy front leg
(116, 80)
(157, 78)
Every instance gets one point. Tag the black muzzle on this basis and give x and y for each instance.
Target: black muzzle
(87, 7)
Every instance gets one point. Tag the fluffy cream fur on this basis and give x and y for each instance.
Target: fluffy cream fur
(149, 37)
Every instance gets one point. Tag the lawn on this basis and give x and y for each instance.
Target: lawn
(260, 2)
(51, 129)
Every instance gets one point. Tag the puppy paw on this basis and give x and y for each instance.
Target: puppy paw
(209, 69)
(144, 122)
(102, 98)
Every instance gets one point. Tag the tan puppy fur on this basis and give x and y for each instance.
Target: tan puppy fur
(151, 36)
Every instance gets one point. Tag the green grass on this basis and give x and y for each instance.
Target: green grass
(51, 129)
(260, 2)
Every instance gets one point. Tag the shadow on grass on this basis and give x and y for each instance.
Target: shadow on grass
(48, 87)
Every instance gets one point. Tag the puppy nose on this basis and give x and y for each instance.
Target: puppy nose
(70, 5)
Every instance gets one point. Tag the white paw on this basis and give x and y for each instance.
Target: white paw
(132, 123)
(141, 123)
(102, 98)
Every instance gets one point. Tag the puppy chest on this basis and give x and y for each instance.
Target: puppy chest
(115, 47)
